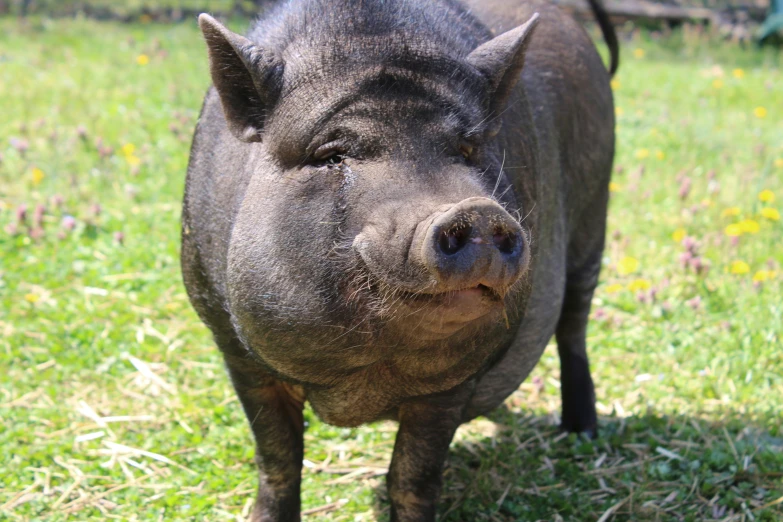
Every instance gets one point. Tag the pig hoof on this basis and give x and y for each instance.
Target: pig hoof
(590, 433)
(581, 427)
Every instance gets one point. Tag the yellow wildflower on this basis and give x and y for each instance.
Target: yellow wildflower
(638, 285)
(142, 59)
(738, 73)
(766, 196)
(739, 267)
(615, 187)
(717, 84)
(613, 289)
(627, 265)
(731, 212)
(638, 53)
(679, 234)
(615, 84)
(763, 275)
(733, 230)
(31, 298)
(659, 154)
(779, 163)
(706, 202)
(749, 226)
(38, 176)
(133, 161)
(760, 112)
(128, 149)
(771, 213)
(642, 153)
(618, 111)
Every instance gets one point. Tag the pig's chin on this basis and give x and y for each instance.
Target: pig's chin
(434, 317)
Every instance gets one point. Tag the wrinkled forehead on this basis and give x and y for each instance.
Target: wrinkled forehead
(322, 52)
(402, 76)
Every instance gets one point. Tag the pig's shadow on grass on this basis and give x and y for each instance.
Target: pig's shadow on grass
(515, 467)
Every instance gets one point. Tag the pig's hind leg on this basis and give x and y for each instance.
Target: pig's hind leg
(274, 410)
(576, 384)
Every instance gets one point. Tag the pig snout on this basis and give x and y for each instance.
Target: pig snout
(474, 242)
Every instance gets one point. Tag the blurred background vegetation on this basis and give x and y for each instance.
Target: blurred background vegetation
(125, 7)
(737, 20)
(122, 9)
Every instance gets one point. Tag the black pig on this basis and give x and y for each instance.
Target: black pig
(391, 207)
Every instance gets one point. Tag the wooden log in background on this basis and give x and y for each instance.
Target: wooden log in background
(652, 10)
(641, 9)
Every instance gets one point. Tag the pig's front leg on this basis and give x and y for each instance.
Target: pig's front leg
(275, 413)
(415, 475)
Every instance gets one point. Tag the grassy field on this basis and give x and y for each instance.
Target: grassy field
(135, 10)
(114, 401)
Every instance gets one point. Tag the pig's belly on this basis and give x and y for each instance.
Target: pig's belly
(375, 393)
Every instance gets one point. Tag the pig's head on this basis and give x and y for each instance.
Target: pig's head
(377, 207)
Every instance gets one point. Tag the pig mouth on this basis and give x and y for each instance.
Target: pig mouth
(431, 317)
(424, 315)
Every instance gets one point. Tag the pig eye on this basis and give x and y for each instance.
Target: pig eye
(466, 149)
(329, 154)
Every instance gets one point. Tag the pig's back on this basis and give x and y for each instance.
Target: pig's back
(567, 86)
(570, 101)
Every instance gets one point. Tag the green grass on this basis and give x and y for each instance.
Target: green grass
(132, 7)
(689, 381)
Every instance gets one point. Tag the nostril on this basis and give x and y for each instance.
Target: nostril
(505, 241)
(452, 240)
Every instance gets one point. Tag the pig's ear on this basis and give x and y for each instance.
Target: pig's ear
(501, 59)
(246, 78)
